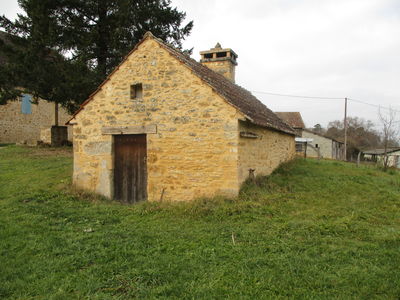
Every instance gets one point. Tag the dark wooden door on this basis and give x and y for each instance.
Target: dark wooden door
(130, 168)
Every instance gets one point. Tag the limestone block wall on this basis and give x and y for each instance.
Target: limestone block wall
(16, 127)
(264, 153)
(194, 152)
(324, 144)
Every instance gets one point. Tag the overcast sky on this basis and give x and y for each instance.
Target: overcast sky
(333, 48)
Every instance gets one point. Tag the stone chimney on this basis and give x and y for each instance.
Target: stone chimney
(222, 61)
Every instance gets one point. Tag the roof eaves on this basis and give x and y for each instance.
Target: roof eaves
(322, 135)
(188, 61)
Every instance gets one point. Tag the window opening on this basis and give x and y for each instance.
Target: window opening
(136, 91)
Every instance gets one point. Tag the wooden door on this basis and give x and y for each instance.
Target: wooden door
(130, 168)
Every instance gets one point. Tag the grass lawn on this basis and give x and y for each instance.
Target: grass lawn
(314, 230)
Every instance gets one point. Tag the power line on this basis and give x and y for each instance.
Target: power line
(325, 98)
(374, 105)
(332, 98)
(297, 96)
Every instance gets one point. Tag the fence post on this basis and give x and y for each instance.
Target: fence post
(358, 158)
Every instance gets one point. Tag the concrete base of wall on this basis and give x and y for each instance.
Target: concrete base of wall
(59, 135)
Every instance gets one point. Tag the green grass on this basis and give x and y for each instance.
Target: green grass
(312, 230)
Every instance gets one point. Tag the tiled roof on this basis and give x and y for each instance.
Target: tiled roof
(322, 135)
(381, 151)
(293, 118)
(237, 96)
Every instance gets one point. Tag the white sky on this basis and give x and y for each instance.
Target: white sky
(333, 48)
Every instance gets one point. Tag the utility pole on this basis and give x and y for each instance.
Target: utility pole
(345, 129)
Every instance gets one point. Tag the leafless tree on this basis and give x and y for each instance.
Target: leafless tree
(390, 131)
(361, 134)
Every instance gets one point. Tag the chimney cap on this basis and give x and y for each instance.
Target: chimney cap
(220, 49)
(217, 46)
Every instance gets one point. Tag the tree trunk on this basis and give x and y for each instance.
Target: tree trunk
(385, 156)
(102, 47)
(56, 114)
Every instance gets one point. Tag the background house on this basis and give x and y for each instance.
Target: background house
(165, 127)
(377, 155)
(310, 143)
(28, 120)
(323, 146)
(25, 122)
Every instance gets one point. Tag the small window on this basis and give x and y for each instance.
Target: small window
(316, 145)
(136, 91)
(26, 104)
(221, 54)
(208, 55)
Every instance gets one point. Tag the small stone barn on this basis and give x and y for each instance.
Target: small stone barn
(165, 127)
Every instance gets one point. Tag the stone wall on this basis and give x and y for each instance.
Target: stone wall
(223, 66)
(262, 150)
(324, 145)
(193, 153)
(16, 127)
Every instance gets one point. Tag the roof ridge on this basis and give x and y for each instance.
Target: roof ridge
(226, 82)
(234, 94)
(322, 135)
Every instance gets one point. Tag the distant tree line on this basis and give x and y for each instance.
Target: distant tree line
(61, 50)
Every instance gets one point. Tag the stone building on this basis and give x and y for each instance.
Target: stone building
(310, 143)
(323, 146)
(28, 121)
(378, 155)
(165, 127)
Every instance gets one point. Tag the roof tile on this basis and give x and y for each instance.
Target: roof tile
(293, 118)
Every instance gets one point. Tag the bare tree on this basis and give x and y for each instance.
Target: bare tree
(361, 134)
(390, 131)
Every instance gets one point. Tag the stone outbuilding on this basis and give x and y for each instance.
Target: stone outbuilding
(310, 143)
(165, 127)
(377, 155)
(323, 146)
(28, 120)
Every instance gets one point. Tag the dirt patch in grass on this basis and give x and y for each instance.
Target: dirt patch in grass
(52, 151)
